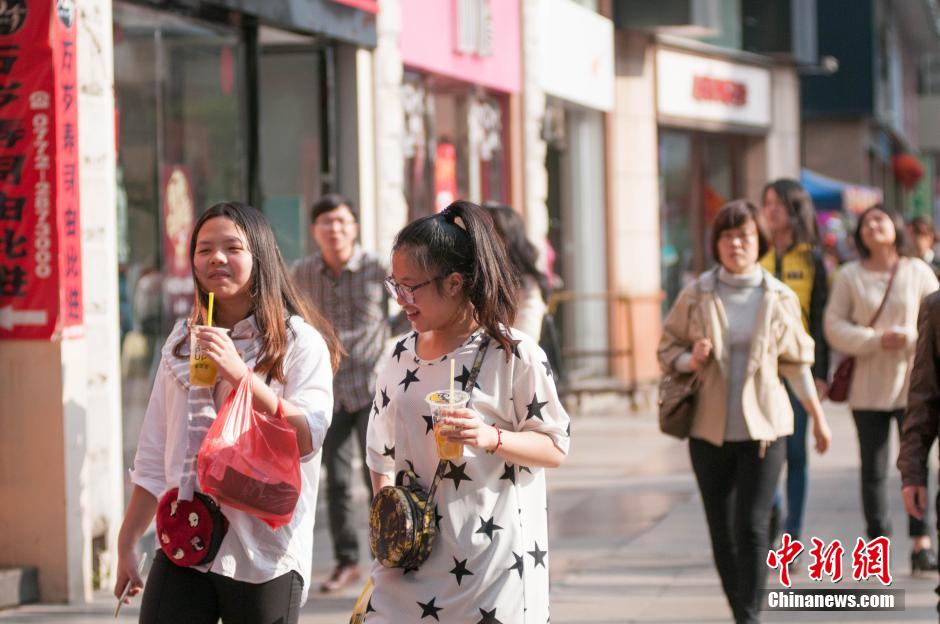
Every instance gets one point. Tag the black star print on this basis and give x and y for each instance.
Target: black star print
(538, 555)
(428, 609)
(489, 617)
(509, 472)
(457, 474)
(388, 452)
(525, 469)
(411, 376)
(375, 408)
(406, 570)
(515, 348)
(437, 521)
(464, 377)
(385, 399)
(535, 408)
(568, 430)
(430, 423)
(518, 565)
(548, 369)
(399, 349)
(369, 607)
(460, 570)
(487, 527)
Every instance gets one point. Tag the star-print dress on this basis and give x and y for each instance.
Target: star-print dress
(489, 562)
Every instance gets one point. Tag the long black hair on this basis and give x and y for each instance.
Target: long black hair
(523, 255)
(273, 294)
(800, 208)
(462, 239)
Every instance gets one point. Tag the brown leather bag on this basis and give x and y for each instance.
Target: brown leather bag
(842, 378)
(677, 393)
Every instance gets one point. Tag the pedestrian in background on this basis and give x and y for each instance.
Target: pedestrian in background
(523, 258)
(742, 412)
(263, 328)
(922, 416)
(884, 279)
(924, 237)
(346, 285)
(796, 260)
(489, 561)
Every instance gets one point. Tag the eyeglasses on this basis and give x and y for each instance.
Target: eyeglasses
(329, 224)
(407, 293)
(729, 236)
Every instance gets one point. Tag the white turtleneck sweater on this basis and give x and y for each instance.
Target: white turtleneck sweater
(741, 295)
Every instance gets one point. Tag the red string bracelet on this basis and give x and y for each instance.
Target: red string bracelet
(499, 439)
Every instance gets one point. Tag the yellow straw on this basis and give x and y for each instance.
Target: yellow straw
(211, 301)
(452, 397)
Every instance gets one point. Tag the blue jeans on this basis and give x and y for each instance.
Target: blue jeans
(797, 470)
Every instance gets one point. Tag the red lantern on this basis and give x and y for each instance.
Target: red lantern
(907, 170)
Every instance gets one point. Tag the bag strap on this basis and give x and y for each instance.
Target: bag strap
(884, 299)
(469, 383)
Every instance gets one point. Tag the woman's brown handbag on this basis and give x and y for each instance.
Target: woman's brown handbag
(402, 523)
(677, 403)
(842, 378)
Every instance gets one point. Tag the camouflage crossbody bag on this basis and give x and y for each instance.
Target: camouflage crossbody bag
(402, 523)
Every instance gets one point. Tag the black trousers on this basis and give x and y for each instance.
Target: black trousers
(173, 595)
(874, 428)
(737, 487)
(347, 431)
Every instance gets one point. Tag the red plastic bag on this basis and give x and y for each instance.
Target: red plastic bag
(250, 461)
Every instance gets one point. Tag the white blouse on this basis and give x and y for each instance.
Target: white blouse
(251, 551)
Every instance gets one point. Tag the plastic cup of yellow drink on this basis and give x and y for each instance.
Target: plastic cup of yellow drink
(441, 400)
(202, 370)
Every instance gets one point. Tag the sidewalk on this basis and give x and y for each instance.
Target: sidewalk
(629, 540)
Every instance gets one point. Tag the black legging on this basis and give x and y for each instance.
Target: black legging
(737, 487)
(874, 428)
(174, 594)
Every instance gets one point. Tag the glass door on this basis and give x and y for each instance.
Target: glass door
(180, 112)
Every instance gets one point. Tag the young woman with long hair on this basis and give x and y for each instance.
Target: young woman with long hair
(884, 355)
(261, 327)
(490, 558)
(795, 259)
(738, 328)
(533, 288)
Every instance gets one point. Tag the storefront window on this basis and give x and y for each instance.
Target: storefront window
(455, 144)
(180, 103)
(294, 145)
(699, 174)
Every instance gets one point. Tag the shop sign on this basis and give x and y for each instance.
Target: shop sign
(40, 228)
(576, 54)
(179, 215)
(707, 89)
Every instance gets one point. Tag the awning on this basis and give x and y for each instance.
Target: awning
(832, 194)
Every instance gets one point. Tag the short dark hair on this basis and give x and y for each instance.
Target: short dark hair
(329, 203)
(900, 232)
(923, 225)
(734, 214)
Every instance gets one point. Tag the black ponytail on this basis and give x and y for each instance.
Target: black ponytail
(462, 239)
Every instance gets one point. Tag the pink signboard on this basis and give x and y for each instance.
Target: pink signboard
(476, 41)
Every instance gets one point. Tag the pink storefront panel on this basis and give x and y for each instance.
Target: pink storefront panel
(430, 31)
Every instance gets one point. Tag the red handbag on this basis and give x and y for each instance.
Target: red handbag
(842, 378)
(190, 532)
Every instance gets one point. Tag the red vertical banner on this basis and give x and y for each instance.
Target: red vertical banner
(40, 232)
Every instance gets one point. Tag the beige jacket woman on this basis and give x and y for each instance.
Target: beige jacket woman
(881, 377)
(780, 347)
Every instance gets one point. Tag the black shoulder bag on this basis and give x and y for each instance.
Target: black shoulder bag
(402, 525)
